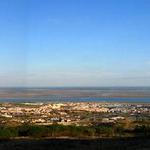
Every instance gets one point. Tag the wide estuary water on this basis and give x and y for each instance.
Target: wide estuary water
(101, 94)
(74, 99)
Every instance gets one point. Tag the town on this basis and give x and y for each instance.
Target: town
(72, 113)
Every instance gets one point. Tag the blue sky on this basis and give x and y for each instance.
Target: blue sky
(75, 43)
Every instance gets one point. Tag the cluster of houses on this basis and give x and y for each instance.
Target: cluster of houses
(69, 113)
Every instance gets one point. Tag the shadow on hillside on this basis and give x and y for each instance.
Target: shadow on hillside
(76, 144)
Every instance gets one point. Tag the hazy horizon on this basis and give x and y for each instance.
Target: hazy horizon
(81, 43)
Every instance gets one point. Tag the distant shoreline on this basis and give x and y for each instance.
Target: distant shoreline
(75, 94)
(64, 100)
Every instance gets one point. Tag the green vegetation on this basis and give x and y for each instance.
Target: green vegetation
(56, 130)
(7, 132)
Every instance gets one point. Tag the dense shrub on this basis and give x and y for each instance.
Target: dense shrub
(70, 131)
(142, 130)
(7, 132)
